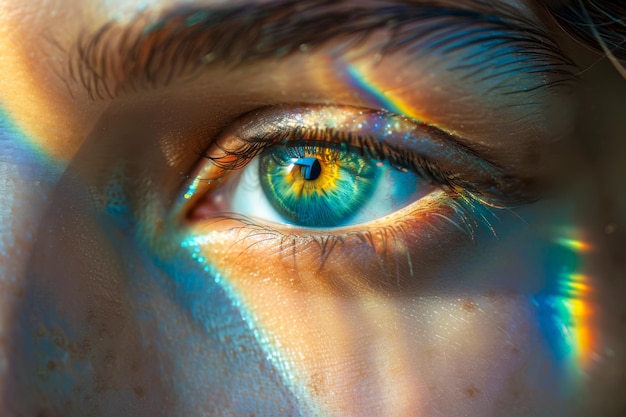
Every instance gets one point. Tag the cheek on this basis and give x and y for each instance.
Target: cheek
(355, 330)
(363, 352)
(75, 345)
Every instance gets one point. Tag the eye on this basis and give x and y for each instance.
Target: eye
(322, 185)
(326, 167)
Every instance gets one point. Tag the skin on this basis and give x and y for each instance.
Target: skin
(101, 318)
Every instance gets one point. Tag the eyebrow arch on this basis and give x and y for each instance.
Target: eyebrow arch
(150, 53)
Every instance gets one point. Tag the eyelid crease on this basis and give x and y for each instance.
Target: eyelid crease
(426, 150)
(185, 40)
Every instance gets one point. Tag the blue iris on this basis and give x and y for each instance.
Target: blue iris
(317, 185)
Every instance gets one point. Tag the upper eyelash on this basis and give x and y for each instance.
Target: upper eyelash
(370, 146)
(365, 145)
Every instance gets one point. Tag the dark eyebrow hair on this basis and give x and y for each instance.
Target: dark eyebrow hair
(598, 24)
(149, 53)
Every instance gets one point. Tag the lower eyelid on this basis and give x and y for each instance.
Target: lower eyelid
(387, 253)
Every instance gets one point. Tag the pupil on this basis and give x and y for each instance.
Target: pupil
(310, 168)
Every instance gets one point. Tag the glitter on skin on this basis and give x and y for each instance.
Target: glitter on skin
(192, 188)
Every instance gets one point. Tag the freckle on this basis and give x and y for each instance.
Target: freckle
(470, 306)
(317, 383)
(59, 341)
(51, 366)
(91, 317)
(85, 346)
(109, 359)
(471, 391)
(99, 386)
(139, 391)
(135, 366)
(42, 376)
(19, 293)
(515, 350)
(42, 413)
(103, 332)
(41, 331)
(515, 395)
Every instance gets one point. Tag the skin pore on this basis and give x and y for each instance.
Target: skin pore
(133, 282)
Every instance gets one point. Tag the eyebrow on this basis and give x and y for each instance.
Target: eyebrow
(150, 53)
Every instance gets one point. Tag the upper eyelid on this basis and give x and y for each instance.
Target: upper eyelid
(452, 163)
(142, 54)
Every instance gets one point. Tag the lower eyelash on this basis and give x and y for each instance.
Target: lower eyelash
(473, 214)
(389, 244)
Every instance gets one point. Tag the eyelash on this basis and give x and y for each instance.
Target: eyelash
(470, 210)
(364, 145)
(388, 244)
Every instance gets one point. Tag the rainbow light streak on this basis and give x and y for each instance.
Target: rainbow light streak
(574, 244)
(24, 166)
(232, 364)
(578, 311)
(20, 144)
(195, 245)
(569, 307)
(380, 96)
